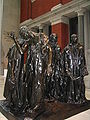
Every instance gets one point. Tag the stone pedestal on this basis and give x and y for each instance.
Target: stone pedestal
(53, 111)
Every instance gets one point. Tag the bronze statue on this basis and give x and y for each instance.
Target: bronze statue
(39, 64)
(29, 70)
(47, 73)
(53, 81)
(15, 84)
(74, 71)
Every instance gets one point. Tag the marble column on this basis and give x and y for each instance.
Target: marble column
(1, 13)
(81, 25)
(86, 45)
(86, 33)
(46, 29)
(40, 28)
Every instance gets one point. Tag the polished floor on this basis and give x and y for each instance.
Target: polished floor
(81, 116)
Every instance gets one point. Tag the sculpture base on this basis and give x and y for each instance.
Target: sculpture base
(53, 111)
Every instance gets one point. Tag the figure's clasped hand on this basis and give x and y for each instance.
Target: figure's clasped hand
(49, 69)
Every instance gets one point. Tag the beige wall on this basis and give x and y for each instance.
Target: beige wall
(1, 13)
(11, 21)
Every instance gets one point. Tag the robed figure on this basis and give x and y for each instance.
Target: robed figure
(74, 71)
(39, 64)
(15, 84)
(53, 78)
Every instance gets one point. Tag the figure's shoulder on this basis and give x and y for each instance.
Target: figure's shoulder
(67, 48)
(81, 47)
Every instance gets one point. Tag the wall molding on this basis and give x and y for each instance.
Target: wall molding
(81, 11)
(58, 11)
(56, 7)
(59, 19)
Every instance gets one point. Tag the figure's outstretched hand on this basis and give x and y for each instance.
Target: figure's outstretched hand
(12, 35)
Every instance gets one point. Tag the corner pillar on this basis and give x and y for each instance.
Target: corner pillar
(81, 25)
(60, 26)
(40, 28)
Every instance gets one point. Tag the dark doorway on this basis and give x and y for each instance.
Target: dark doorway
(73, 22)
(50, 30)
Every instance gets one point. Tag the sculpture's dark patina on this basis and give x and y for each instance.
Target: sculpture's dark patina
(14, 91)
(53, 81)
(39, 62)
(74, 71)
(47, 74)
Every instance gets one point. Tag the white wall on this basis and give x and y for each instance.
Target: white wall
(1, 12)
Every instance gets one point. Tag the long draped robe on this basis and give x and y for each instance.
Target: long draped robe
(13, 90)
(75, 70)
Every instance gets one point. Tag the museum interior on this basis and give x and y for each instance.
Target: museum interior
(46, 18)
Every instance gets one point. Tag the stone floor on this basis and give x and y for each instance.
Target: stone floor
(81, 116)
(2, 81)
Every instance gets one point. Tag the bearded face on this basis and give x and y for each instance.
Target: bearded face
(24, 32)
(74, 39)
(53, 38)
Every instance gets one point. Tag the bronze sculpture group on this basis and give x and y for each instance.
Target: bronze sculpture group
(47, 74)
